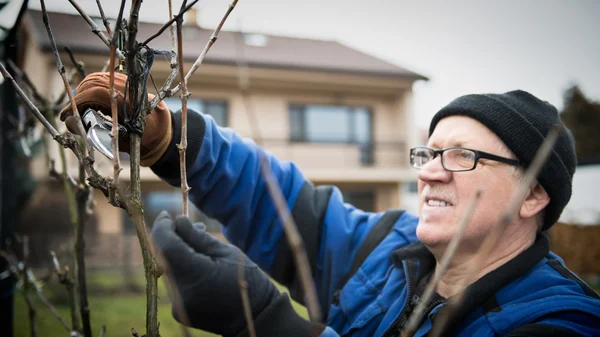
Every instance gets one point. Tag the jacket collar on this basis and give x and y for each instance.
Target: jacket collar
(486, 287)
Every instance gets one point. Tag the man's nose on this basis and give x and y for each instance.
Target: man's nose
(433, 171)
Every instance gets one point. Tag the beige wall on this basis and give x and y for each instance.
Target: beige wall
(270, 93)
(271, 123)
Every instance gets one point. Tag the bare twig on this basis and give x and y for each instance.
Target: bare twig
(66, 181)
(172, 31)
(104, 19)
(173, 293)
(19, 274)
(28, 103)
(79, 242)
(59, 100)
(67, 140)
(61, 71)
(71, 285)
(95, 29)
(209, 44)
(164, 90)
(23, 76)
(64, 279)
(113, 104)
(54, 174)
(136, 212)
(22, 273)
(243, 81)
(441, 268)
(83, 195)
(244, 85)
(497, 229)
(184, 97)
(294, 240)
(103, 331)
(43, 298)
(78, 65)
(245, 299)
(291, 230)
(169, 23)
(106, 65)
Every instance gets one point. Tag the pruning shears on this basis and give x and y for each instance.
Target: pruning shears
(99, 127)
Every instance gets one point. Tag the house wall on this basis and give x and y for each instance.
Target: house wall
(271, 92)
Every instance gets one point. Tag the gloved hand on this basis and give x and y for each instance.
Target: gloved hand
(93, 92)
(205, 270)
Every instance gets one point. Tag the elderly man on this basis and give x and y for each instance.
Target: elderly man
(520, 289)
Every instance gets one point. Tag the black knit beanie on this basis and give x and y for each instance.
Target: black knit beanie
(522, 121)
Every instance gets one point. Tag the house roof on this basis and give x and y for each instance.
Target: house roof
(279, 52)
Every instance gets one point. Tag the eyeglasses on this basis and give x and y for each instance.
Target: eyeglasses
(454, 159)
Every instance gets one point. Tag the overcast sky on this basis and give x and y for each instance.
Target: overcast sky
(462, 46)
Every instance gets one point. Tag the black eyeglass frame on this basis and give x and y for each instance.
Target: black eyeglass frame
(478, 155)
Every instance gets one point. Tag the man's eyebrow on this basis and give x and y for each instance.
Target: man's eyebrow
(435, 145)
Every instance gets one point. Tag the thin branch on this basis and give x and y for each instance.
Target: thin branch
(113, 103)
(28, 103)
(67, 140)
(95, 29)
(54, 174)
(172, 30)
(106, 65)
(441, 268)
(23, 76)
(58, 101)
(139, 101)
(64, 279)
(43, 298)
(78, 65)
(184, 97)
(209, 44)
(134, 333)
(83, 195)
(104, 19)
(169, 23)
(496, 230)
(174, 294)
(245, 299)
(61, 71)
(103, 331)
(25, 275)
(294, 240)
(175, 70)
(26, 286)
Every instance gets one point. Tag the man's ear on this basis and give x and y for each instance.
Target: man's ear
(535, 202)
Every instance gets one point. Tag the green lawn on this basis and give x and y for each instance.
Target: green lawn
(119, 311)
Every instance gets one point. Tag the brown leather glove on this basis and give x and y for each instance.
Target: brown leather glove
(93, 92)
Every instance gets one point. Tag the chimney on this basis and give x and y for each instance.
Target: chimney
(191, 17)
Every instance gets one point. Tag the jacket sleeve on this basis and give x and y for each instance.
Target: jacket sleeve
(226, 183)
(568, 324)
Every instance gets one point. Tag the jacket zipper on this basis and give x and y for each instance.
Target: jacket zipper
(393, 326)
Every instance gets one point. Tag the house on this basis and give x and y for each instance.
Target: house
(343, 116)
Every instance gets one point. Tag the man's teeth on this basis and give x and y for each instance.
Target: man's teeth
(437, 203)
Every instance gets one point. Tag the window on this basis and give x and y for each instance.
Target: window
(216, 108)
(329, 123)
(361, 199)
(413, 187)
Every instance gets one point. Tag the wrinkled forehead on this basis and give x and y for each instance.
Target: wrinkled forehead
(463, 131)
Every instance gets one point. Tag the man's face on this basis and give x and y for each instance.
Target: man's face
(444, 196)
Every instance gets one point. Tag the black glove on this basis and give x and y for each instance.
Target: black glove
(205, 271)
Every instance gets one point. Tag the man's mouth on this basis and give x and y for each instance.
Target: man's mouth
(434, 202)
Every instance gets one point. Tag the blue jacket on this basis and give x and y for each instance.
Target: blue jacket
(533, 292)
